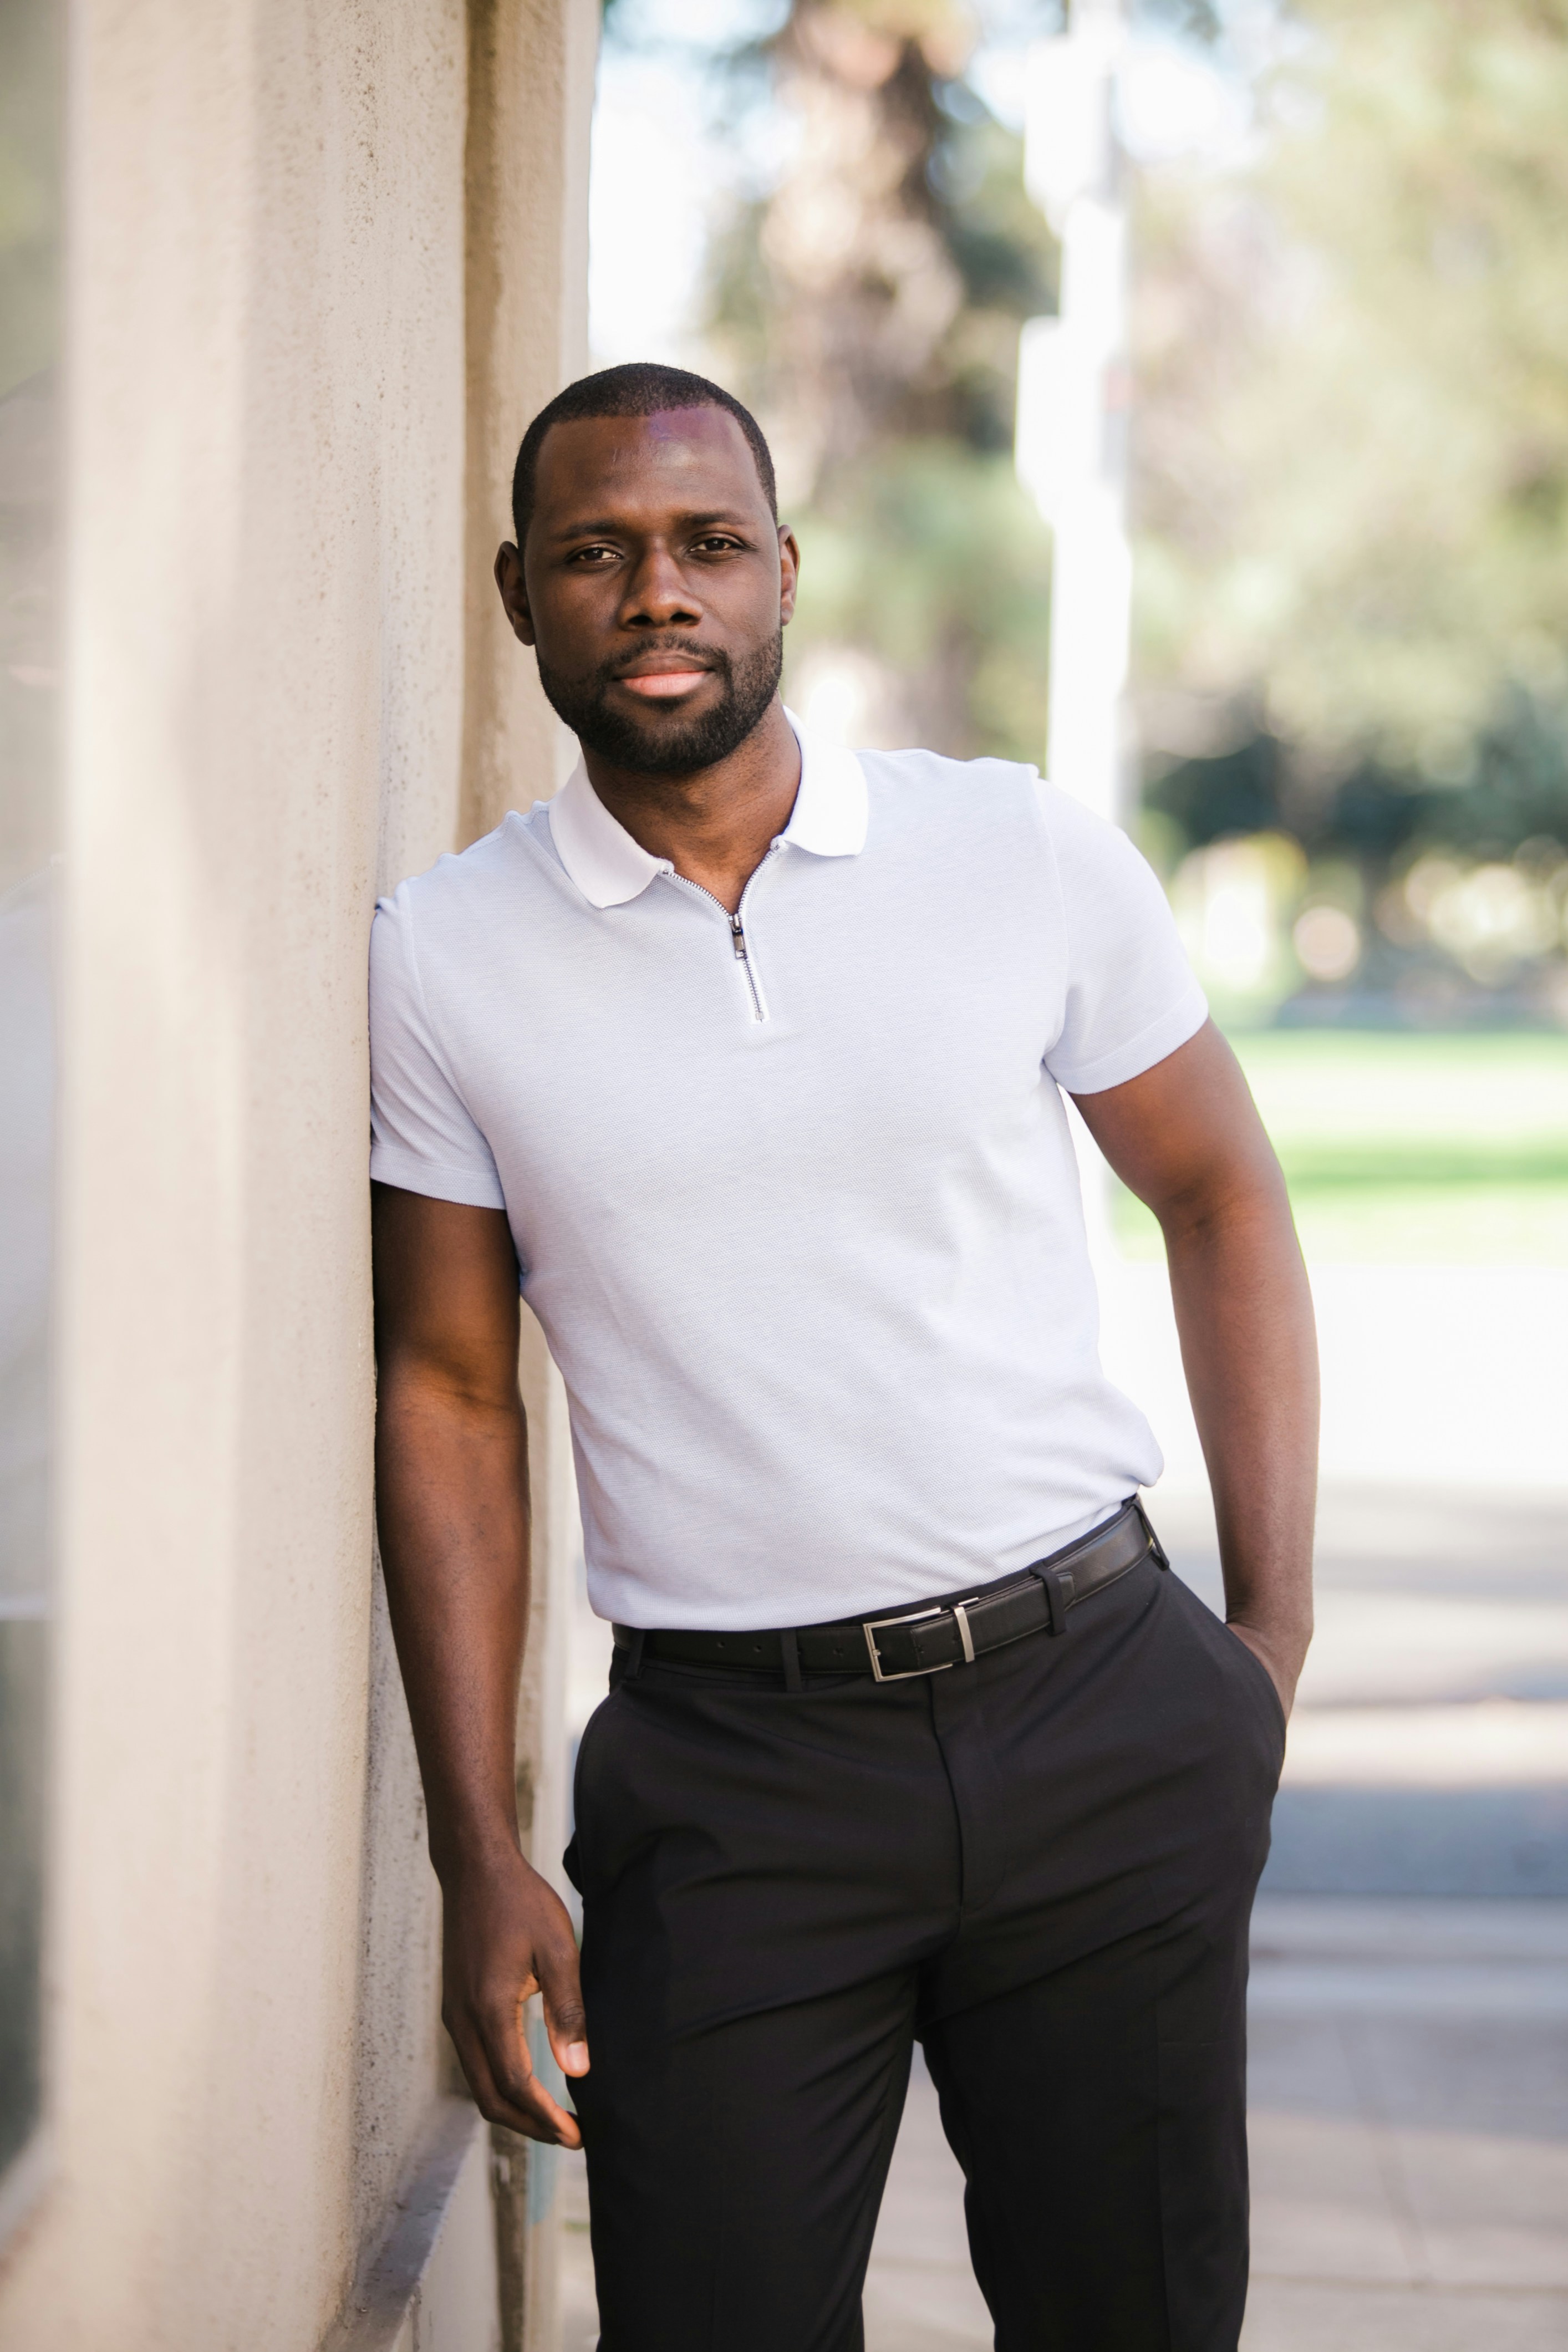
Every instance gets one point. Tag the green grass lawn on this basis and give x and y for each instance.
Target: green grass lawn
(1442, 1150)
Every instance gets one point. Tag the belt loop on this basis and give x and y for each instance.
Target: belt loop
(789, 1649)
(634, 1653)
(1155, 1546)
(1057, 1582)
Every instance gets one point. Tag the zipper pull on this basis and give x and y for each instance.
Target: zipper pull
(738, 936)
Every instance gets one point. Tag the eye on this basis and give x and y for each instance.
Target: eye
(717, 542)
(594, 555)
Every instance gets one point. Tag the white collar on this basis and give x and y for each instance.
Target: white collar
(609, 868)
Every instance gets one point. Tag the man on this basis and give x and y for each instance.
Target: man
(745, 1055)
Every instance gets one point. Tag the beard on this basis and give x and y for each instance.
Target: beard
(665, 745)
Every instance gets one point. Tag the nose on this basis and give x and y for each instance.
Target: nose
(657, 595)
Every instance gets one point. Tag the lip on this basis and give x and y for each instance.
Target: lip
(662, 677)
(664, 685)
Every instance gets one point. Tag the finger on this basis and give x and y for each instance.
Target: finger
(529, 2110)
(565, 2020)
(490, 2100)
(519, 2087)
(542, 2119)
(522, 2104)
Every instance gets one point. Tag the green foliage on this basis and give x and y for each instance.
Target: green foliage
(1353, 385)
(1351, 503)
(1509, 786)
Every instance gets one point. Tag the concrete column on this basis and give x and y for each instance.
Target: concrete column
(278, 209)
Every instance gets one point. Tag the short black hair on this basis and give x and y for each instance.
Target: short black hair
(639, 389)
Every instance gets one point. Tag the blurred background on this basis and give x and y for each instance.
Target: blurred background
(1175, 395)
(1346, 729)
(1243, 326)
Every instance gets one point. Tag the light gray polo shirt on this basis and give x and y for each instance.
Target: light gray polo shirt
(798, 1210)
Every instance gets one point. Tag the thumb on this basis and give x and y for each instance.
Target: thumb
(561, 1984)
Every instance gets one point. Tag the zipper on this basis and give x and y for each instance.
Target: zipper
(737, 927)
(738, 934)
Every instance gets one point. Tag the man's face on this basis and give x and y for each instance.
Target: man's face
(654, 586)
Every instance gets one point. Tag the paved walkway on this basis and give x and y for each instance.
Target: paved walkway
(1409, 2006)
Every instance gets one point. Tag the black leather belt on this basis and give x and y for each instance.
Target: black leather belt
(924, 1641)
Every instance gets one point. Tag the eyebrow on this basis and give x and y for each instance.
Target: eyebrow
(611, 529)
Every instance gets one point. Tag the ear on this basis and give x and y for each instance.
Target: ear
(514, 591)
(789, 573)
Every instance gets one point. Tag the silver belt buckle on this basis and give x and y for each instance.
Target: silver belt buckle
(871, 1626)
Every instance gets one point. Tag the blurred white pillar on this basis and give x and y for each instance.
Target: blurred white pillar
(1073, 397)
(1073, 383)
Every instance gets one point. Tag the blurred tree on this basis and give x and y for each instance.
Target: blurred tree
(877, 289)
(1352, 463)
(869, 307)
(1351, 456)
(1514, 791)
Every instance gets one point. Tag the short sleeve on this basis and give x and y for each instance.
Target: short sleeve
(1132, 997)
(423, 1138)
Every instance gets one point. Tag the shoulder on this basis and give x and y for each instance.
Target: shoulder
(456, 902)
(1094, 858)
(925, 796)
(1075, 830)
(461, 877)
(438, 929)
(932, 775)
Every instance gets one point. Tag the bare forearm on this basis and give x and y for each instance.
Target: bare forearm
(1244, 1312)
(1186, 1137)
(452, 1498)
(452, 1492)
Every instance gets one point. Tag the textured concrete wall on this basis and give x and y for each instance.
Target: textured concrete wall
(275, 214)
(530, 105)
(530, 108)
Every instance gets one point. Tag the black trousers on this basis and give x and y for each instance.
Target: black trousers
(1042, 1865)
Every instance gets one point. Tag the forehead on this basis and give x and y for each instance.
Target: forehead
(681, 459)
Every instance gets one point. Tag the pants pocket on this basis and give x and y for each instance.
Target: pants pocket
(1262, 1681)
(1246, 1696)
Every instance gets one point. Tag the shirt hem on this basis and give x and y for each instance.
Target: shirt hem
(409, 1173)
(1140, 1052)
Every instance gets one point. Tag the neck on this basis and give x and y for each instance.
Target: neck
(715, 825)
